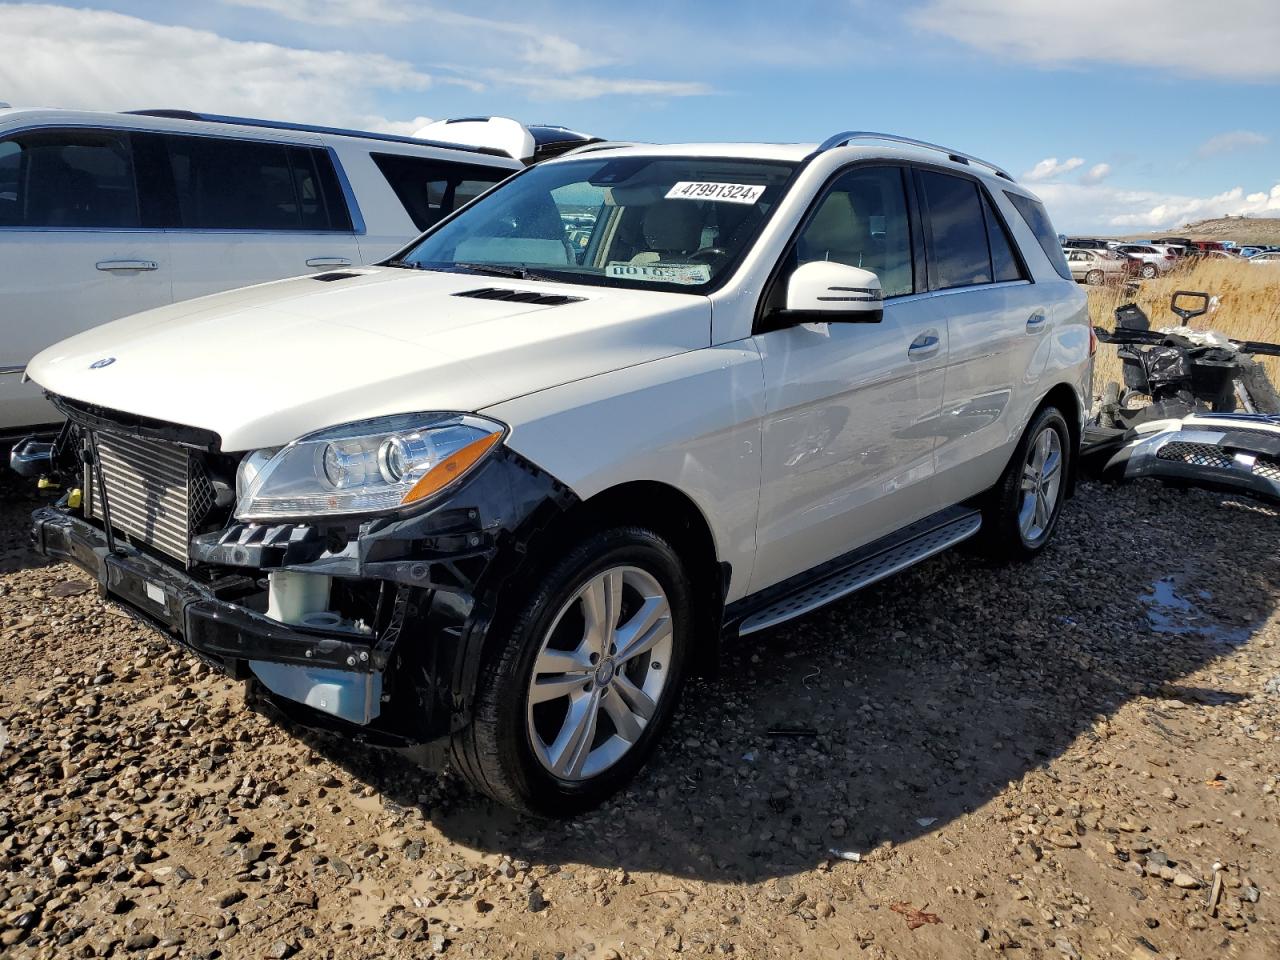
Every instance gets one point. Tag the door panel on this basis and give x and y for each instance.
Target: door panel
(999, 336)
(849, 431)
(250, 211)
(73, 252)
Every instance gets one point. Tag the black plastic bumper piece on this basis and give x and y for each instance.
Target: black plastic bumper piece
(187, 609)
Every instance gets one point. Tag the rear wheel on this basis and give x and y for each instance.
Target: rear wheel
(583, 678)
(1094, 278)
(1022, 509)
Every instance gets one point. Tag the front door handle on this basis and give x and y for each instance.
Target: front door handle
(116, 265)
(328, 262)
(925, 345)
(1035, 322)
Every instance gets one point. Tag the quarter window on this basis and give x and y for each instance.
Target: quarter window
(430, 189)
(1005, 265)
(68, 178)
(960, 252)
(1033, 212)
(863, 222)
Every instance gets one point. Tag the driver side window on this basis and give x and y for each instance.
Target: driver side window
(863, 222)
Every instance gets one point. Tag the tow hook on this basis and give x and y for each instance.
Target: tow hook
(32, 458)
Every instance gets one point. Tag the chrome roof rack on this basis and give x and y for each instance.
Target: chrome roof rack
(842, 140)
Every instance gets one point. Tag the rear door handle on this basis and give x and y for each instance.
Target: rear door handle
(328, 262)
(113, 265)
(925, 345)
(1035, 322)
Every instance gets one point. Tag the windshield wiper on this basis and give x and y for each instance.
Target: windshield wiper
(403, 264)
(498, 270)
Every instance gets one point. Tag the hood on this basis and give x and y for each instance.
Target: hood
(264, 365)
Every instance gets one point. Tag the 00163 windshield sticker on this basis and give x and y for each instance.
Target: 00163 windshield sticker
(723, 192)
(689, 274)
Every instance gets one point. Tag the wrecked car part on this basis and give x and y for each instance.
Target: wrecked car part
(376, 624)
(1234, 452)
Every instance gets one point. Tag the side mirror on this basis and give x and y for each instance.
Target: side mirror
(827, 292)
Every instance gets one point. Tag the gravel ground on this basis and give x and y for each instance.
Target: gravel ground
(1075, 758)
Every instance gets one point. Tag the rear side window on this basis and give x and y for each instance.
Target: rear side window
(1005, 265)
(68, 178)
(960, 251)
(225, 184)
(429, 189)
(1033, 212)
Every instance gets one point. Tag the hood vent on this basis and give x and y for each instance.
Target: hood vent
(334, 275)
(520, 296)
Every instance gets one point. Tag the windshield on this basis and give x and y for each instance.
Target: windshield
(674, 223)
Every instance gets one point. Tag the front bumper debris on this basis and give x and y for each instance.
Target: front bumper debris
(405, 680)
(1230, 452)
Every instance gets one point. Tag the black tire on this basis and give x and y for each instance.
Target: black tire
(1001, 538)
(1094, 278)
(494, 753)
(1148, 271)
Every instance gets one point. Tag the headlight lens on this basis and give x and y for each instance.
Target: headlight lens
(366, 467)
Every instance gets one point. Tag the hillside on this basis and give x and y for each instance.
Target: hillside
(1243, 230)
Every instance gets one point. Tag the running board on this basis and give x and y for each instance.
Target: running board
(884, 560)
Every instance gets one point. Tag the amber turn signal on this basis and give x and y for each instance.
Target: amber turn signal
(450, 468)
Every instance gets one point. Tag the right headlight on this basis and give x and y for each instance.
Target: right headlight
(367, 467)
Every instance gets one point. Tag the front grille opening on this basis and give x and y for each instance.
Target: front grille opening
(520, 296)
(1196, 454)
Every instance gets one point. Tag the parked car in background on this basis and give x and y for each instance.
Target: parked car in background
(1270, 259)
(1209, 254)
(1086, 243)
(496, 500)
(107, 214)
(1152, 261)
(1247, 252)
(1095, 267)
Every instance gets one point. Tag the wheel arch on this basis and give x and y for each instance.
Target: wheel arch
(1065, 398)
(677, 518)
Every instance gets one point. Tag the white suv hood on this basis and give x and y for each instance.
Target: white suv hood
(264, 365)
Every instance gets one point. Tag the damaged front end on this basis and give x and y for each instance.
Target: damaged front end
(374, 625)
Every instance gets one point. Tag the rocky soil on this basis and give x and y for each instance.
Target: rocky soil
(1076, 758)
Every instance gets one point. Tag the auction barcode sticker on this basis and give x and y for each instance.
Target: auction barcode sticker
(723, 192)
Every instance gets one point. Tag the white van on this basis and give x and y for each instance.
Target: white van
(106, 214)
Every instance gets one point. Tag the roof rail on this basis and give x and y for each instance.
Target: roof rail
(310, 128)
(842, 140)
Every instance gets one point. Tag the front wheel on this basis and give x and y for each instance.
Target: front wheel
(1022, 509)
(583, 677)
(1148, 271)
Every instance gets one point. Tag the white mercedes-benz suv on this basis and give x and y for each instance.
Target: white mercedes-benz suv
(499, 496)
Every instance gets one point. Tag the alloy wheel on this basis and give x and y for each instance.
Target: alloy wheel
(600, 673)
(1041, 485)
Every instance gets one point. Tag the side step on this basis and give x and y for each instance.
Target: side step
(881, 559)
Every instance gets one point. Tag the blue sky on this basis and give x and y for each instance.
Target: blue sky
(1126, 117)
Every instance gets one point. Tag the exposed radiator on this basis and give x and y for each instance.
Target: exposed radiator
(149, 491)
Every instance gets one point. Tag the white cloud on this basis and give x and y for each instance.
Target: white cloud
(1050, 169)
(1237, 40)
(94, 59)
(1097, 173)
(499, 52)
(1102, 208)
(1229, 142)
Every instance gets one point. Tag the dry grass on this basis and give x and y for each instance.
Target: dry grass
(1248, 307)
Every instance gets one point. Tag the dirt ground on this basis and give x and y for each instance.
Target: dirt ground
(1076, 758)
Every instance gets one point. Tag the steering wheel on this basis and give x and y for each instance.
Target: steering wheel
(707, 253)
